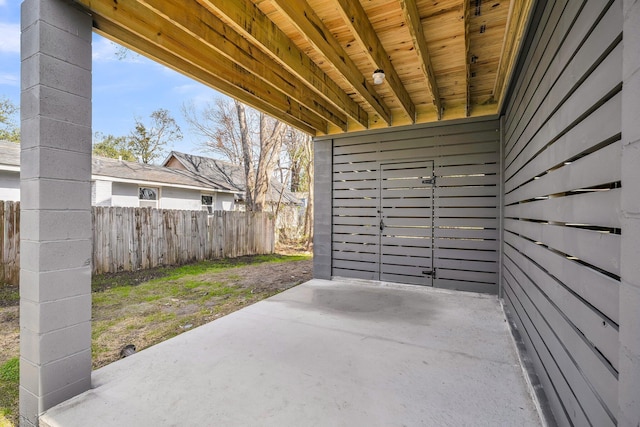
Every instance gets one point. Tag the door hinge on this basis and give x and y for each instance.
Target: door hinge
(431, 181)
(431, 273)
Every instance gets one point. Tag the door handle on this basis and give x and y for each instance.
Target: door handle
(381, 225)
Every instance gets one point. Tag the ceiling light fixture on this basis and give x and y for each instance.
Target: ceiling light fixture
(378, 76)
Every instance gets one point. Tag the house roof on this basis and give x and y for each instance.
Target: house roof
(9, 155)
(229, 175)
(120, 170)
(310, 63)
(123, 171)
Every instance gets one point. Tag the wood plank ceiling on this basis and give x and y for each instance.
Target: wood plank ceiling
(310, 62)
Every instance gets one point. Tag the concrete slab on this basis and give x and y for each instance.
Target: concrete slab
(326, 353)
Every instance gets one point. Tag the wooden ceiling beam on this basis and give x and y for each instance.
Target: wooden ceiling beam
(467, 54)
(150, 35)
(519, 13)
(311, 26)
(357, 20)
(249, 21)
(412, 17)
(118, 34)
(208, 28)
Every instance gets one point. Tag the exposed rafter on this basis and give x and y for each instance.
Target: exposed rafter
(309, 24)
(310, 62)
(412, 17)
(195, 20)
(467, 54)
(125, 37)
(519, 12)
(244, 17)
(356, 18)
(162, 35)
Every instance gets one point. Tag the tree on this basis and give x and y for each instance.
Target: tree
(299, 149)
(9, 131)
(245, 137)
(219, 126)
(115, 147)
(147, 143)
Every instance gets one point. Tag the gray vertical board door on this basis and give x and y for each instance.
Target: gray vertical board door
(406, 222)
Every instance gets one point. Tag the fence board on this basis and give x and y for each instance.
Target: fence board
(129, 239)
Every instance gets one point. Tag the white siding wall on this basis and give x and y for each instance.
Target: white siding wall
(179, 198)
(224, 202)
(9, 186)
(101, 193)
(124, 194)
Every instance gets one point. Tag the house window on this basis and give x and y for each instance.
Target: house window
(148, 197)
(207, 202)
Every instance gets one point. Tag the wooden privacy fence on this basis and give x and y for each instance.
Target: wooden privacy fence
(128, 239)
(9, 242)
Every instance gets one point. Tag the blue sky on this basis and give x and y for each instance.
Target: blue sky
(122, 89)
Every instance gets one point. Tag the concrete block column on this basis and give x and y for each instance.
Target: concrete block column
(322, 210)
(55, 222)
(629, 375)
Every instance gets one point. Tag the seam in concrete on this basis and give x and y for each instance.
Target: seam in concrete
(392, 285)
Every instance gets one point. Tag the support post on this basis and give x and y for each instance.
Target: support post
(629, 373)
(322, 208)
(55, 219)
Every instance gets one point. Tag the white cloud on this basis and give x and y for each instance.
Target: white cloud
(105, 50)
(187, 88)
(9, 37)
(9, 79)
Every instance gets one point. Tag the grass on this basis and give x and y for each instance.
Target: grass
(146, 307)
(9, 381)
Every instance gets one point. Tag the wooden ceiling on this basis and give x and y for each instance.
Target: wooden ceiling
(310, 62)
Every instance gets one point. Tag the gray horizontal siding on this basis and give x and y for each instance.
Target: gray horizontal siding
(465, 199)
(561, 263)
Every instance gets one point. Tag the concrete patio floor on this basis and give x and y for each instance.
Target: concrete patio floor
(326, 353)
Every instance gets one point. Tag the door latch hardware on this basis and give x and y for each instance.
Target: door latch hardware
(431, 181)
(431, 273)
(381, 225)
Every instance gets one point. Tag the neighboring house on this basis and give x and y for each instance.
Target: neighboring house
(225, 174)
(129, 184)
(9, 171)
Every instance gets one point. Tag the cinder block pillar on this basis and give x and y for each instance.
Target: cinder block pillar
(322, 167)
(55, 222)
(629, 375)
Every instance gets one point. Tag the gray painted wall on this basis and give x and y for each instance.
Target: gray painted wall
(562, 228)
(629, 372)
(322, 209)
(465, 156)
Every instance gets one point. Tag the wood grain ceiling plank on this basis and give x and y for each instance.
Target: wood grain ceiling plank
(358, 22)
(245, 18)
(309, 24)
(143, 25)
(203, 25)
(414, 23)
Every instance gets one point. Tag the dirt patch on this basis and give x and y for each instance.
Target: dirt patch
(190, 301)
(275, 277)
(9, 333)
